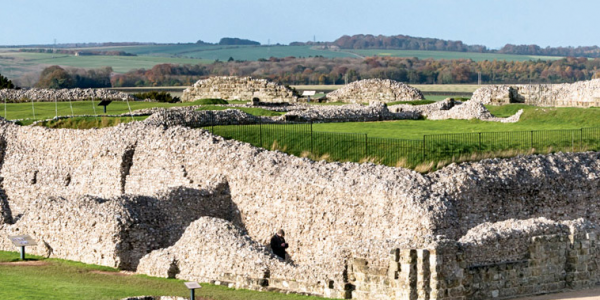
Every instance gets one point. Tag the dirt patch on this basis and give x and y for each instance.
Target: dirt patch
(121, 273)
(25, 263)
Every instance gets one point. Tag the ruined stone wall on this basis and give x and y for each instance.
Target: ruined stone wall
(549, 263)
(119, 187)
(578, 94)
(238, 88)
(51, 95)
(375, 111)
(367, 90)
(558, 186)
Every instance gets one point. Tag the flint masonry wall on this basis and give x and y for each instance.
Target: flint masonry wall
(367, 90)
(559, 187)
(578, 94)
(50, 95)
(553, 262)
(333, 213)
(238, 88)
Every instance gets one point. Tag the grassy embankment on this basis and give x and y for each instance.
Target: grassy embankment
(42, 278)
(400, 143)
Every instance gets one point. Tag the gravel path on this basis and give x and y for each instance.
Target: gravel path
(593, 294)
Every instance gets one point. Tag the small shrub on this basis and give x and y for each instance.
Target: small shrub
(154, 95)
(210, 101)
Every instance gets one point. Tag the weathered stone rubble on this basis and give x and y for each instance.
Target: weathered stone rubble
(161, 200)
(376, 111)
(578, 94)
(426, 109)
(195, 118)
(367, 90)
(50, 95)
(471, 110)
(238, 88)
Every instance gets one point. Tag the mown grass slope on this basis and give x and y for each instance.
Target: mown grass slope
(61, 279)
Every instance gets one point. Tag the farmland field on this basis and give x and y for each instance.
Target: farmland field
(15, 64)
(222, 53)
(422, 54)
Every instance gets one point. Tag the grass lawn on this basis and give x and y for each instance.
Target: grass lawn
(533, 118)
(402, 142)
(47, 110)
(62, 279)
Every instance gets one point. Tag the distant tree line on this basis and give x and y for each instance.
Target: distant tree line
(319, 70)
(405, 42)
(78, 52)
(55, 77)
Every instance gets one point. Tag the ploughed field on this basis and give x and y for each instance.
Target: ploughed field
(40, 278)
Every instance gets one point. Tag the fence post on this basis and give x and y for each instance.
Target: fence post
(423, 145)
(212, 122)
(532, 139)
(480, 149)
(260, 132)
(366, 145)
(580, 139)
(311, 138)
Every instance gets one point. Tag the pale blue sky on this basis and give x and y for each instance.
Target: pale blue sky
(489, 22)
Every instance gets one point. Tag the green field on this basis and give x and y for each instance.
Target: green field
(65, 280)
(422, 54)
(223, 53)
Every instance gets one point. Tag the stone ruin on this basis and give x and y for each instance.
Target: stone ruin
(50, 95)
(182, 203)
(238, 88)
(578, 94)
(367, 90)
(375, 111)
